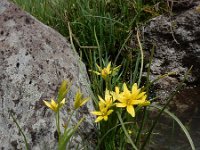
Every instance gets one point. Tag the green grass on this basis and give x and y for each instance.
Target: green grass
(102, 31)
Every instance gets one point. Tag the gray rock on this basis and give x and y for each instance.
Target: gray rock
(34, 60)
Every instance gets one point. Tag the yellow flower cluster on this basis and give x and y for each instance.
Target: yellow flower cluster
(126, 99)
(105, 72)
(104, 107)
(79, 100)
(54, 105)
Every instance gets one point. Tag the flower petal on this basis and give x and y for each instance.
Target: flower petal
(140, 95)
(84, 101)
(136, 102)
(47, 104)
(109, 112)
(108, 66)
(134, 88)
(117, 90)
(107, 95)
(146, 103)
(63, 101)
(98, 113)
(53, 103)
(101, 99)
(130, 110)
(105, 118)
(99, 119)
(126, 91)
(121, 105)
(99, 68)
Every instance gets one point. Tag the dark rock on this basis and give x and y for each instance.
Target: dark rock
(34, 60)
(177, 48)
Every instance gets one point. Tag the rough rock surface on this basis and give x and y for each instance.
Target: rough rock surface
(34, 60)
(177, 48)
(177, 41)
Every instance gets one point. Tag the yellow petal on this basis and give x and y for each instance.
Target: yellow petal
(98, 113)
(101, 99)
(105, 118)
(108, 66)
(146, 103)
(53, 103)
(134, 88)
(122, 99)
(140, 95)
(63, 101)
(98, 73)
(101, 105)
(99, 68)
(130, 110)
(135, 91)
(121, 105)
(107, 95)
(115, 70)
(136, 102)
(144, 98)
(47, 104)
(109, 112)
(117, 90)
(84, 101)
(126, 91)
(99, 119)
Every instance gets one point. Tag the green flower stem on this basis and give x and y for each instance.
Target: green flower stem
(58, 123)
(141, 127)
(108, 83)
(168, 100)
(125, 131)
(20, 130)
(67, 123)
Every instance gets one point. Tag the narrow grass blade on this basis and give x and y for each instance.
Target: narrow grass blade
(125, 132)
(179, 123)
(20, 129)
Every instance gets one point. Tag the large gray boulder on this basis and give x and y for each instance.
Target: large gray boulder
(34, 59)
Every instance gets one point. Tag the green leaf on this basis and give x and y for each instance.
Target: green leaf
(67, 135)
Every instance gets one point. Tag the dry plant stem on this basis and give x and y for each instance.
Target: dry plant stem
(159, 115)
(142, 58)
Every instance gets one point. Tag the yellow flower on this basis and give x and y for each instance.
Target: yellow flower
(146, 103)
(53, 105)
(130, 98)
(104, 105)
(108, 102)
(103, 112)
(105, 72)
(79, 100)
(116, 94)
